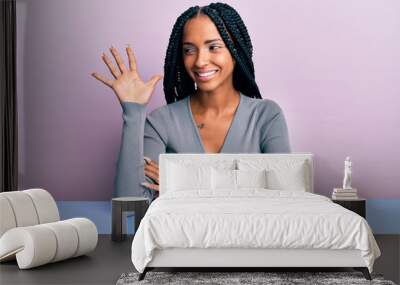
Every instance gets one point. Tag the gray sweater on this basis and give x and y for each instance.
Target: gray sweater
(258, 126)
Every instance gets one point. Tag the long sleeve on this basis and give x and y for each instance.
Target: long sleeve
(276, 135)
(139, 137)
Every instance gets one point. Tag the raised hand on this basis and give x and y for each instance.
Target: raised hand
(128, 86)
(151, 170)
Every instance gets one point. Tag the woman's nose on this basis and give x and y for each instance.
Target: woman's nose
(202, 58)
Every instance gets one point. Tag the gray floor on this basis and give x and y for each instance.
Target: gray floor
(110, 260)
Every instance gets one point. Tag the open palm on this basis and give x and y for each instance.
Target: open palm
(128, 86)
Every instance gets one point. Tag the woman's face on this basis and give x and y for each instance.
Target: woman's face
(206, 58)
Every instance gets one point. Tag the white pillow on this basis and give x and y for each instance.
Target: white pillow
(289, 179)
(228, 179)
(223, 179)
(282, 174)
(251, 178)
(181, 177)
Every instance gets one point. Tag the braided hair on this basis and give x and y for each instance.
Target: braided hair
(177, 82)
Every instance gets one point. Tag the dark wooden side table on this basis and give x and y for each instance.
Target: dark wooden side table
(357, 206)
(121, 206)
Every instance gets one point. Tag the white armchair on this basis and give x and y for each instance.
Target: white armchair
(31, 231)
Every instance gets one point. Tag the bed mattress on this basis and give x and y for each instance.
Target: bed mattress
(250, 219)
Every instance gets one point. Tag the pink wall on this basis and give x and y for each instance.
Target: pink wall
(333, 66)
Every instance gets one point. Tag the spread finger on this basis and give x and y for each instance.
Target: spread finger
(118, 59)
(132, 59)
(110, 65)
(102, 79)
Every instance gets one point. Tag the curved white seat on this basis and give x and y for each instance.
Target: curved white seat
(7, 218)
(40, 244)
(45, 206)
(22, 207)
(31, 233)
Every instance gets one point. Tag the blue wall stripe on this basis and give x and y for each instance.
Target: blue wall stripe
(383, 215)
(98, 212)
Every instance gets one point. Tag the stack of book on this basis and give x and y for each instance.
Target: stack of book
(344, 194)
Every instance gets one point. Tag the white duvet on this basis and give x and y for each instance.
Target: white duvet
(251, 218)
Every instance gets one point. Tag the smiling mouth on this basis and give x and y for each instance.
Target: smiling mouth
(205, 76)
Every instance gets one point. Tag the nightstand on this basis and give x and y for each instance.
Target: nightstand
(120, 208)
(357, 206)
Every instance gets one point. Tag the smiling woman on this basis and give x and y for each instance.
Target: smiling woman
(213, 102)
(207, 61)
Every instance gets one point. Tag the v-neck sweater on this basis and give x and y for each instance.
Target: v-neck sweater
(258, 126)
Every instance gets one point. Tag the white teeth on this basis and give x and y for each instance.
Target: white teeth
(206, 73)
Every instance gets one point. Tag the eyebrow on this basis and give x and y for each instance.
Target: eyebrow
(206, 42)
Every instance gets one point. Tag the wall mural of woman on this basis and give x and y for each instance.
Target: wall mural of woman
(213, 102)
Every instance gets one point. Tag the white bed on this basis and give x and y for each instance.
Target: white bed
(247, 210)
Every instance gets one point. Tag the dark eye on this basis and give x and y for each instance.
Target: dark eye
(214, 47)
(187, 50)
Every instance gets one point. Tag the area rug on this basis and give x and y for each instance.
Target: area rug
(242, 278)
